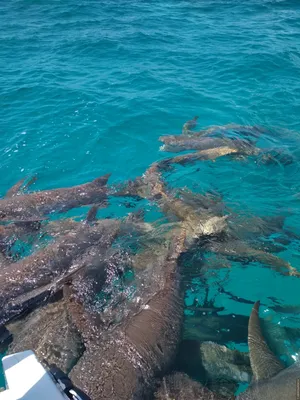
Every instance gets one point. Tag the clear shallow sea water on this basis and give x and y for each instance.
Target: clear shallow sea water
(88, 87)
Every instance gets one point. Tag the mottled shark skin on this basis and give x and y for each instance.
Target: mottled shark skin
(202, 222)
(271, 381)
(197, 222)
(247, 131)
(216, 366)
(92, 257)
(209, 154)
(122, 364)
(57, 228)
(247, 227)
(242, 130)
(3, 261)
(276, 156)
(180, 387)
(89, 271)
(50, 263)
(10, 233)
(51, 334)
(190, 140)
(221, 362)
(61, 227)
(35, 206)
(176, 144)
(148, 261)
(208, 326)
(207, 201)
(239, 249)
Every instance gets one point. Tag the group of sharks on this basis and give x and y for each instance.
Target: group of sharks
(103, 298)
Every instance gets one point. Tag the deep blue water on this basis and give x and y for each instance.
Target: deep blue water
(87, 88)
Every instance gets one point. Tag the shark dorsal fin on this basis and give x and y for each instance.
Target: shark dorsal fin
(102, 180)
(15, 189)
(264, 363)
(20, 187)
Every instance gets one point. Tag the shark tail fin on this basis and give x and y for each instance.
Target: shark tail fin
(264, 363)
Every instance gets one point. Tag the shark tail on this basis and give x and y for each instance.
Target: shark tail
(264, 363)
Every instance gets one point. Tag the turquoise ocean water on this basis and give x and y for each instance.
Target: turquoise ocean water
(87, 88)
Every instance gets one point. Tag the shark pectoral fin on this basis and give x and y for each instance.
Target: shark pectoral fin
(102, 180)
(92, 214)
(264, 363)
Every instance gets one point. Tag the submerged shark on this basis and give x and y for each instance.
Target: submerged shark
(196, 223)
(82, 247)
(25, 231)
(122, 363)
(34, 206)
(201, 220)
(247, 131)
(209, 154)
(240, 250)
(180, 143)
(271, 381)
(50, 333)
(180, 387)
(50, 263)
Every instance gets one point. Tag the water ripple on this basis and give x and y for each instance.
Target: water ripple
(88, 87)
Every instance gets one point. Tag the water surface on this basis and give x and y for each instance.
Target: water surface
(88, 87)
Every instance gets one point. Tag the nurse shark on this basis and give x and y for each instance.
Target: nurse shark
(34, 206)
(271, 381)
